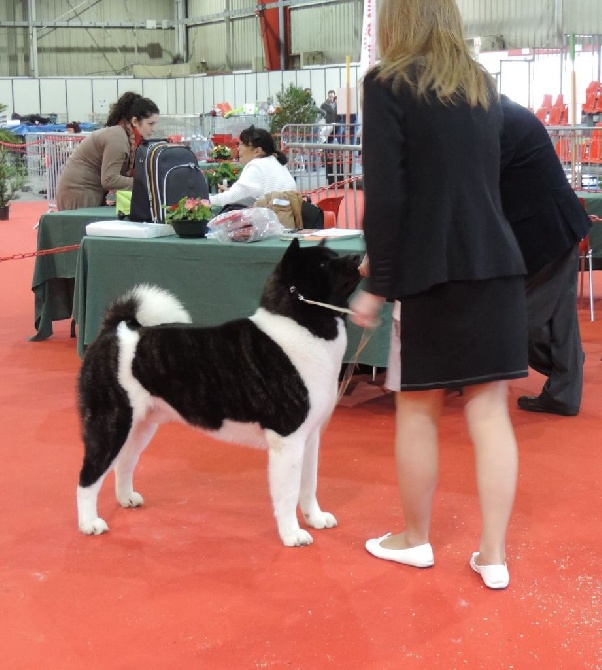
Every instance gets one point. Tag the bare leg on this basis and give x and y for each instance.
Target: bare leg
(417, 459)
(496, 464)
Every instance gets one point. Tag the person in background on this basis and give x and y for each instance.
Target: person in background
(329, 107)
(73, 128)
(264, 170)
(444, 249)
(549, 222)
(104, 161)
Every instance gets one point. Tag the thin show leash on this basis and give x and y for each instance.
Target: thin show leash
(366, 335)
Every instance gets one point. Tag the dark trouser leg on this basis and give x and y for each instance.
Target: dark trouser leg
(554, 339)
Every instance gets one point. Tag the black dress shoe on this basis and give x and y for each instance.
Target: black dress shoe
(535, 403)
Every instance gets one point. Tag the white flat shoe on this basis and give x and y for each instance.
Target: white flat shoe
(418, 557)
(494, 576)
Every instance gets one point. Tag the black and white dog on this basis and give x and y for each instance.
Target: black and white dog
(268, 381)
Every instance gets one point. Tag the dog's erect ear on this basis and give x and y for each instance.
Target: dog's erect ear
(289, 260)
(322, 242)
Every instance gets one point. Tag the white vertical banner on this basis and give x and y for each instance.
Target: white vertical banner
(368, 51)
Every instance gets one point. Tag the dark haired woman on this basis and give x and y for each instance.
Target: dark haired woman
(104, 161)
(264, 169)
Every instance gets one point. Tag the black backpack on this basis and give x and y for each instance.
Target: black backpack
(164, 174)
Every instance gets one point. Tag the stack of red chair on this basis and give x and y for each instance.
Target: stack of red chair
(543, 113)
(593, 98)
(559, 114)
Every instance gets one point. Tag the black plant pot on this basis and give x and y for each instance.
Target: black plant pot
(190, 228)
(4, 213)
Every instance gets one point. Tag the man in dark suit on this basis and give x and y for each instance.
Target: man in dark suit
(549, 222)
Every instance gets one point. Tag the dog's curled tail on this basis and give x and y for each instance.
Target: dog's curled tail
(146, 305)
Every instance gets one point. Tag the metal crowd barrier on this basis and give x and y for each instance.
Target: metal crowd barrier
(42, 157)
(232, 125)
(34, 160)
(327, 163)
(183, 127)
(58, 147)
(579, 149)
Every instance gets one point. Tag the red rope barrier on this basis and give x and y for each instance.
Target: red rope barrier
(42, 252)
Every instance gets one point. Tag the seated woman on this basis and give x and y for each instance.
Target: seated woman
(104, 161)
(264, 170)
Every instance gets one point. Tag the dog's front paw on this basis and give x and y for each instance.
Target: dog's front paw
(298, 538)
(320, 520)
(132, 499)
(95, 527)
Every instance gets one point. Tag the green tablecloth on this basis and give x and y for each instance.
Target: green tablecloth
(215, 282)
(53, 275)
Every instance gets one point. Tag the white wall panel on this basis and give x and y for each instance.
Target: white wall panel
(26, 94)
(104, 94)
(180, 97)
(263, 86)
(229, 91)
(218, 89)
(196, 95)
(189, 101)
(79, 99)
(275, 80)
(156, 90)
(208, 97)
(6, 96)
(53, 96)
(130, 84)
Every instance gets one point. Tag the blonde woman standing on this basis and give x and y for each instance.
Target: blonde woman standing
(438, 242)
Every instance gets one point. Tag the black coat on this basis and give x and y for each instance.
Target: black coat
(542, 208)
(431, 180)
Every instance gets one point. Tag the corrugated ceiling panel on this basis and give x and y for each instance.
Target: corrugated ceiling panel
(333, 29)
(98, 51)
(329, 27)
(583, 16)
(532, 23)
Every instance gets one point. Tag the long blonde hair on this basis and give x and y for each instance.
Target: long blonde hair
(422, 44)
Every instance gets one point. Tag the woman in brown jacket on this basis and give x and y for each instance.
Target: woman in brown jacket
(104, 161)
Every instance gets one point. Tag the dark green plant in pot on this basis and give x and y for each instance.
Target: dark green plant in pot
(12, 176)
(294, 106)
(225, 170)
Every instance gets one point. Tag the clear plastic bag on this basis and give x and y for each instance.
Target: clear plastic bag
(245, 225)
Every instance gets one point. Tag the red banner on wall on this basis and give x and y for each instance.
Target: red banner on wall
(274, 43)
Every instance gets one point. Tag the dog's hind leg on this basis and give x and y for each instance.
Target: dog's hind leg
(285, 463)
(138, 439)
(104, 432)
(308, 500)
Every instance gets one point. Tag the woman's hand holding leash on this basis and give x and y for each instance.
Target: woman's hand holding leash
(366, 308)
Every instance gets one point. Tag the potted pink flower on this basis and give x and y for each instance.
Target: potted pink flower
(189, 216)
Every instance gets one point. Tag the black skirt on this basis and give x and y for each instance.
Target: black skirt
(462, 333)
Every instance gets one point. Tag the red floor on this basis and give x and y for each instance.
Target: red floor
(198, 579)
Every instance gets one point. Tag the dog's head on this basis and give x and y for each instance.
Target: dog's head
(315, 273)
